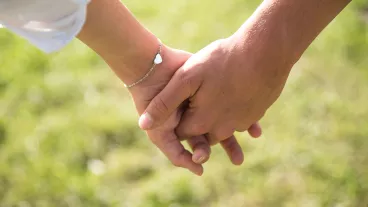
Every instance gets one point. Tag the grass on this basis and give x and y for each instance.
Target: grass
(68, 132)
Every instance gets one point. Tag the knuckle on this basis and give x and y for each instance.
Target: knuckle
(190, 78)
(241, 129)
(200, 128)
(217, 49)
(185, 78)
(159, 105)
(245, 124)
(213, 141)
(223, 134)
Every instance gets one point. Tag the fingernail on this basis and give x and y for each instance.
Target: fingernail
(145, 121)
(199, 159)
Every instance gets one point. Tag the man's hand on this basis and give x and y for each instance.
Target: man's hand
(228, 89)
(164, 137)
(231, 83)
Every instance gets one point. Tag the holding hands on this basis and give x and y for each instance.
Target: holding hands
(164, 136)
(216, 92)
(225, 87)
(202, 98)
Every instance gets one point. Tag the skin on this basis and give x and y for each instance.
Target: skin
(243, 74)
(128, 48)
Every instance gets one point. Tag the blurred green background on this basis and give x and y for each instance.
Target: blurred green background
(69, 135)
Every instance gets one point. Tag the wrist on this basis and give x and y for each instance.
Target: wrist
(264, 55)
(290, 26)
(125, 45)
(266, 34)
(133, 62)
(145, 91)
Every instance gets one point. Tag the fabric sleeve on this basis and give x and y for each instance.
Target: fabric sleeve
(49, 25)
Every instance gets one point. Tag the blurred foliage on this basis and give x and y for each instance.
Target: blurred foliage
(68, 132)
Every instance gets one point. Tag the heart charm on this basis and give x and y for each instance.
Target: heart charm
(158, 59)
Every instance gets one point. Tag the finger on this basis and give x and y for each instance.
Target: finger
(195, 122)
(175, 152)
(233, 150)
(220, 134)
(203, 112)
(201, 149)
(255, 130)
(166, 102)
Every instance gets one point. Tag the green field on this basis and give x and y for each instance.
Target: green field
(69, 134)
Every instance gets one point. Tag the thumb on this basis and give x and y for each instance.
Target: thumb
(166, 102)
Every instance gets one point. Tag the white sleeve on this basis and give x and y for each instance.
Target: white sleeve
(47, 24)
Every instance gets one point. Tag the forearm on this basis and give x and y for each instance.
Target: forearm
(287, 27)
(113, 32)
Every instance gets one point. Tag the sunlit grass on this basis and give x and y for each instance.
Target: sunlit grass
(68, 132)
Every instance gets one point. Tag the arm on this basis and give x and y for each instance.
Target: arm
(113, 32)
(245, 73)
(288, 27)
(128, 48)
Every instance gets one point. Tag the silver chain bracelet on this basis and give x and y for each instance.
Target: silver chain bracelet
(157, 61)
